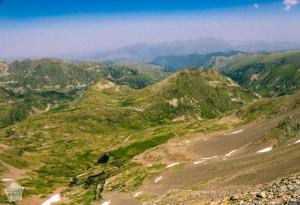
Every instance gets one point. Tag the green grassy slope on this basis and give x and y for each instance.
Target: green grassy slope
(58, 75)
(268, 108)
(272, 74)
(66, 141)
(30, 85)
(191, 93)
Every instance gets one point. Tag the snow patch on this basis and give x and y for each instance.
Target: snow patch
(230, 153)
(172, 165)
(206, 158)
(267, 149)
(138, 193)
(298, 141)
(158, 179)
(236, 132)
(52, 199)
(7, 180)
(106, 203)
(199, 162)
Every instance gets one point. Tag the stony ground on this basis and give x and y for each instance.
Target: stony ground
(281, 191)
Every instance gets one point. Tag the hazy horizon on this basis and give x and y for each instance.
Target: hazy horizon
(54, 29)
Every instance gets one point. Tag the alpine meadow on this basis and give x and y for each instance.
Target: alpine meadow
(165, 102)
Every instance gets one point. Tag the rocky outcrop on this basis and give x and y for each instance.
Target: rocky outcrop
(281, 191)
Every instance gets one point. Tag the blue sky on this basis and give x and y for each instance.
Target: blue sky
(36, 28)
(41, 8)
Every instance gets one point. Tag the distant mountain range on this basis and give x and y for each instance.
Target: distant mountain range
(147, 52)
(83, 129)
(216, 60)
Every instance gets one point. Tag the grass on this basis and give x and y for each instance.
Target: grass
(267, 108)
(60, 144)
(123, 154)
(274, 74)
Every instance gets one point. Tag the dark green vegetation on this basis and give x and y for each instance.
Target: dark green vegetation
(68, 140)
(30, 86)
(270, 75)
(15, 107)
(211, 60)
(58, 75)
(76, 113)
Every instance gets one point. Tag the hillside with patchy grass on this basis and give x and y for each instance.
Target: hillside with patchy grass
(270, 75)
(32, 86)
(119, 121)
(190, 94)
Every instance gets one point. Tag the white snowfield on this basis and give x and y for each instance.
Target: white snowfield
(106, 203)
(158, 179)
(206, 158)
(199, 162)
(173, 164)
(267, 149)
(230, 153)
(7, 180)
(236, 132)
(52, 199)
(297, 142)
(138, 193)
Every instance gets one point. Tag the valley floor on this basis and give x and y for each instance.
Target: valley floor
(222, 163)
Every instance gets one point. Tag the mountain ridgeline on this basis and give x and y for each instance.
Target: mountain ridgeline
(91, 129)
(103, 117)
(270, 75)
(146, 52)
(216, 60)
(190, 94)
(32, 86)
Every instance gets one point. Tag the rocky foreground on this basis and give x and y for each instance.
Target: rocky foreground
(280, 191)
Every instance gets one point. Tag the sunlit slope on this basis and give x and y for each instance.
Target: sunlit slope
(31, 86)
(270, 75)
(191, 93)
(68, 140)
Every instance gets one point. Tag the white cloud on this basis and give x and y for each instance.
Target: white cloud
(256, 6)
(289, 4)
